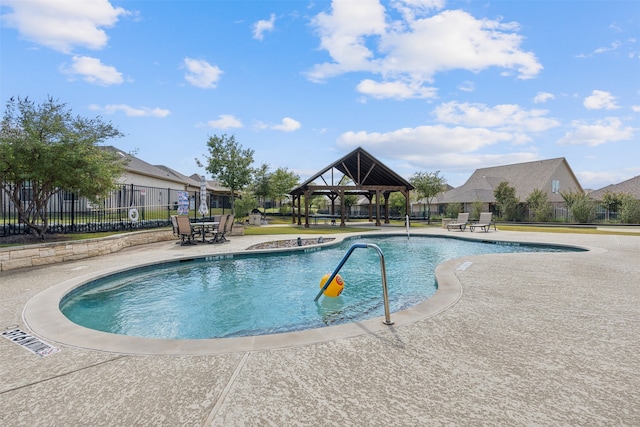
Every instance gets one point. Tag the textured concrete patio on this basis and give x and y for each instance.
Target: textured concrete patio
(529, 339)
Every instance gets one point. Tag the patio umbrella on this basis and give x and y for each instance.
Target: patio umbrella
(203, 209)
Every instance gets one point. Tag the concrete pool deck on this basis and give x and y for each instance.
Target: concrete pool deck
(532, 339)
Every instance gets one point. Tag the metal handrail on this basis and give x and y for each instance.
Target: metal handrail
(383, 271)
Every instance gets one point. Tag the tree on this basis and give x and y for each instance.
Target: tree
(349, 200)
(612, 202)
(428, 185)
(583, 209)
(45, 150)
(453, 209)
(399, 202)
(630, 210)
(507, 201)
(538, 202)
(262, 183)
(245, 205)
(281, 182)
(229, 163)
(476, 209)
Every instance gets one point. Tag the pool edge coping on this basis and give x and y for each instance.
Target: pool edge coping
(42, 315)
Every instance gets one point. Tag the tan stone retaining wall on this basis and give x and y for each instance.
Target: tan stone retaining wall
(54, 252)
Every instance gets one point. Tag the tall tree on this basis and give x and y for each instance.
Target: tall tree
(428, 185)
(539, 206)
(45, 150)
(506, 200)
(398, 201)
(612, 202)
(282, 181)
(229, 163)
(261, 185)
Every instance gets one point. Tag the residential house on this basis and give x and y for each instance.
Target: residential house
(144, 184)
(630, 186)
(553, 176)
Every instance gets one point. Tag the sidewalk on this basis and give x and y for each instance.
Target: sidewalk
(534, 339)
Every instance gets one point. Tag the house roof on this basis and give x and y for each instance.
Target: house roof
(365, 172)
(524, 177)
(140, 167)
(630, 186)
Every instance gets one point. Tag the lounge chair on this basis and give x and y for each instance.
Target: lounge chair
(185, 231)
(484, 223)
(460, 223)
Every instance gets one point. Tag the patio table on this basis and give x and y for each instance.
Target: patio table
(205, 226)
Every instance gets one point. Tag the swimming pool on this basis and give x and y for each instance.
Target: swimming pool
(245, 295)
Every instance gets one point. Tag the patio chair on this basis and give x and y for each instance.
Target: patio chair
(484, 223)
(218, 235)
(460, 223)
(174, 224)
(185, 231)
(228, 226)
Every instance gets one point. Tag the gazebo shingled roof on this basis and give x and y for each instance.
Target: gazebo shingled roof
(367, 175)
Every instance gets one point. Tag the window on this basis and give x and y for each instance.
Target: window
(555, 186)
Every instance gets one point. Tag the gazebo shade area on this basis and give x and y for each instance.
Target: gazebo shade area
(357, 173)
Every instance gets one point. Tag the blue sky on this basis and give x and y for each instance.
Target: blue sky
(423, 85)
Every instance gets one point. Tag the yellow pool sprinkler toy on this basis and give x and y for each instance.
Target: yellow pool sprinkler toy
(335, 288)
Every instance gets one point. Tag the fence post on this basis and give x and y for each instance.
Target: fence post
(73, 211)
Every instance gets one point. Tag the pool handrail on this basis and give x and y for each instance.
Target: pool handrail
(383, 271)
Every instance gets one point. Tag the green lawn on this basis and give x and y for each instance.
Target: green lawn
(285, 227)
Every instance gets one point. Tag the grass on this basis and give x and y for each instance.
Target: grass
(286, 227)
(567, 230)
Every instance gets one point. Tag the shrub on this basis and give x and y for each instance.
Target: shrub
(630, 210)
(583, 209)
(476, 209)
(453, 209)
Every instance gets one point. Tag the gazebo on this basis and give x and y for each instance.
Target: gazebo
(357, 173)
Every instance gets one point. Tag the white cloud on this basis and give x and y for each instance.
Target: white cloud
(437, 146)
(342, 35)
(430, 140)
(360, 37)
(287, 125)
(260, 27)
(467, 86)
(225, 121)
(93, 70)
(202, 74)
(506, 117)
(396, 90)
(600, 132)
(596, 180)
(600, 100)
(542, 97)
(62, 25)
(635, 108)
(412, 9)
(131, 111)
(615, 45)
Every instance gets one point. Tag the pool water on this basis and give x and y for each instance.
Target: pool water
(259, 294)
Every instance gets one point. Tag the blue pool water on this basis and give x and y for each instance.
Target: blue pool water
(258, 294)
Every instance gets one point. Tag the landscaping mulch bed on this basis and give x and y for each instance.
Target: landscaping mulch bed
(278, 244)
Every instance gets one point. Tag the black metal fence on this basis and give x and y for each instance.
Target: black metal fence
(127, 208)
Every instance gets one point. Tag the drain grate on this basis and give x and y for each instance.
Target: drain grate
(31, 343)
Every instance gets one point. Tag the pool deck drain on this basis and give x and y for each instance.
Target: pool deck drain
(546, 339)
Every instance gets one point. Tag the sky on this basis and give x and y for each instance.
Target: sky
(422, 85)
